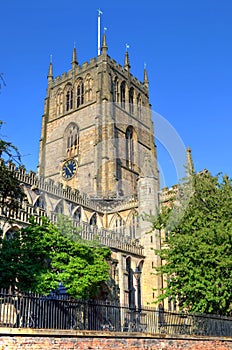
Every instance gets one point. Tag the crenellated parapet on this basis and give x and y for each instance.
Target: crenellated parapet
(121, 70)
(79, 70)
(168, 195)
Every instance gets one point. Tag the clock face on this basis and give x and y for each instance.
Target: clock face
(69, 169)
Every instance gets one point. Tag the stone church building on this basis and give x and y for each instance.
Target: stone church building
(98, 165)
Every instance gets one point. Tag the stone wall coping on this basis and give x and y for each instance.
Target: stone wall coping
(5, 331)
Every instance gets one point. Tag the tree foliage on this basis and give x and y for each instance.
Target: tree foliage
(39, 257)
(11, 193)
(198, 251)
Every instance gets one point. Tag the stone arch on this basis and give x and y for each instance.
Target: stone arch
(140, 264)
(30, 195)
(59, 207)
(76, 214)
(40, 202)
(117, 223)
(93, 219)
(9, 233)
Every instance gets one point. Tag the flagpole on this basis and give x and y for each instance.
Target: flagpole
(99, 32)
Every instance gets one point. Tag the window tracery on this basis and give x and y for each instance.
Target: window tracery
(130, 147)
(123, 94)
(131, 100)
(72, 140)
(116, 90)
(80, 93)
(118, 224)
(59, 208)
(88, 88)
(69, 98)
(59, 102)
(139, 106)
(133, 223)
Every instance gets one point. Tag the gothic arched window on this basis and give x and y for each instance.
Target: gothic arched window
(80, 93)
(93, 220)
(129, 147)
(59, 208)
(131, 100)
(118, 224)
(59, 103)
(72, 140)
(123, 94)
(116, 90)
(77, 215)
(88, 88)
(69, 98)
(40, 203)
(139, 105)
(133, 225)
(10, 234)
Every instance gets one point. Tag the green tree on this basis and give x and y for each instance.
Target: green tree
(198, 251)
(11, 193)
(67, 228)
(38, 257)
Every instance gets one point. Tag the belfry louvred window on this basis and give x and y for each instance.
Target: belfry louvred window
(131, 101)
(80, 93)
(123, 94)
(69, 99)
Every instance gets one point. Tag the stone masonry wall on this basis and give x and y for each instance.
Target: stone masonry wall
(66, 340)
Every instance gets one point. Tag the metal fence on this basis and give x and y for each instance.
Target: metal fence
(62, 312)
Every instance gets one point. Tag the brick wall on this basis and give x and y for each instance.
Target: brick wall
(15, 339)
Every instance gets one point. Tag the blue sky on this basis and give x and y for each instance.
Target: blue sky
(186, 46)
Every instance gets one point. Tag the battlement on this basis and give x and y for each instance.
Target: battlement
(78, 70)
(168, 194)
(121, 69)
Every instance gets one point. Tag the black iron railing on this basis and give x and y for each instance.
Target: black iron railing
(62, 312)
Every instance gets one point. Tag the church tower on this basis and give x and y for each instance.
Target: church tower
(97, 140)
(97, 128)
